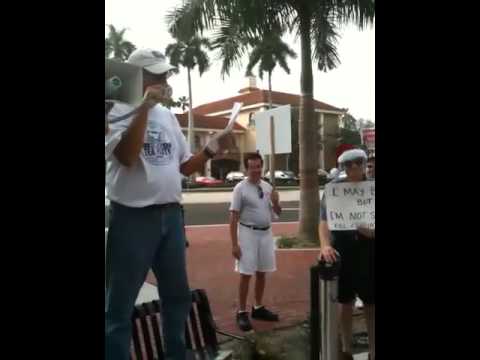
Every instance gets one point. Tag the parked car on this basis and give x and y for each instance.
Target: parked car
(322, 177)
(283, 177)
(234, 177)
(189, 183)
(334, 172)
(207, 181)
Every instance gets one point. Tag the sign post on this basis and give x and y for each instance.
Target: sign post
(272, 152)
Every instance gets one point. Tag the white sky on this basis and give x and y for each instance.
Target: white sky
(351, 85)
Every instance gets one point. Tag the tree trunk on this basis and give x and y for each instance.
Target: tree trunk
(270, 106)
(308, 130)
(190, 136)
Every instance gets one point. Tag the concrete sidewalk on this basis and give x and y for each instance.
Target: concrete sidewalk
(210, 267)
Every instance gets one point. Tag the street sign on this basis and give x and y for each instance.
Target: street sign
(282, 129)
(368, 138)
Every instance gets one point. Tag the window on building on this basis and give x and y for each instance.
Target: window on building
(251, 120)
(198, 143)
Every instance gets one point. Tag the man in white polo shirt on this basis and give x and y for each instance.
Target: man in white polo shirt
(252, 242)
(147, 154)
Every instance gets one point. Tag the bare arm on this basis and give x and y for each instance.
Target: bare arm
(276, 203)
(326, 250)
(234, 217)
(195, 163)
(128, 149)
(324, 233)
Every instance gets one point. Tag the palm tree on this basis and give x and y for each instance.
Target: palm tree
(116, 45)
(315, 22)
(188, 52)
(268, 51)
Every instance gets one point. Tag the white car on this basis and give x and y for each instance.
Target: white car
(283, 177)
(234, 177)
(335, 173)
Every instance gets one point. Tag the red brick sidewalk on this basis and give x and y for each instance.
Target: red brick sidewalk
(210, 267)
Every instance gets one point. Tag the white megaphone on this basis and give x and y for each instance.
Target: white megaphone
(129, 89)
(131, 78)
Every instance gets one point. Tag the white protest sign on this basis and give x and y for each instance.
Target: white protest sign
(283, 130)
(350, 204)
(233, 117)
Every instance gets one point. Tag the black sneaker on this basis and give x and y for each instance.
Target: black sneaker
(262, 313)
(243, 321)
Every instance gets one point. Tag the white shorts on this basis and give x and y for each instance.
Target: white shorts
(258, 251)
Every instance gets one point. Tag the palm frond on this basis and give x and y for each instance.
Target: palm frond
(268, 50)
(325, 38)
(193, 16)
(358, 12)
(231, 44)
(203, 62)
(174, 52)
(254, 58)
(283, 64)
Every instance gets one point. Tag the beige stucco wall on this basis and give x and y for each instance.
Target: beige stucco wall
(331, 132)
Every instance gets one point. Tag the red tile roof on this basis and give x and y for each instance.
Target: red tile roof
(255, 97)
(206, 122)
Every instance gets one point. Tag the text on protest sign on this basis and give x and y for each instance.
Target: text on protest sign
(350, 204)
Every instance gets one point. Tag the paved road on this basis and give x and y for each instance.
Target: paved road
(212, 208)
(206, 214)
(217, 213)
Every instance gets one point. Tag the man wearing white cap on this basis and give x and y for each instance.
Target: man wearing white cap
(148, 153)
(356, 249)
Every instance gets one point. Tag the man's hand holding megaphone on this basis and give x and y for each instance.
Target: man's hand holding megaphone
(160, 93)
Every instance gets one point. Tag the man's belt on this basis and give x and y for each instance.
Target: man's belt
(163, 206)
(256, 227)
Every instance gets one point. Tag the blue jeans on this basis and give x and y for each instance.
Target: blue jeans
(140, 239)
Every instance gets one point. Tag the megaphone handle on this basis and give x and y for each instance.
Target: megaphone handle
(122, 117)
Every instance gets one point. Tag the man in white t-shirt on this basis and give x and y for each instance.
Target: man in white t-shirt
(147, 154)
(251, 211)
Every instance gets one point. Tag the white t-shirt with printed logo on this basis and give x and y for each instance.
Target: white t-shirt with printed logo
(155, 178)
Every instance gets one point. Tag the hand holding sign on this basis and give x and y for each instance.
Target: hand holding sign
(223, 139)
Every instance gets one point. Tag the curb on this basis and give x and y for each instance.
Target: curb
(229, 189)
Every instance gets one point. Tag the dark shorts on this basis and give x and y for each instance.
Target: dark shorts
(357, 271)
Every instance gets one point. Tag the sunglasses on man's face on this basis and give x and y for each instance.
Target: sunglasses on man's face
(369, 166)
(260, 192)
(358, 162)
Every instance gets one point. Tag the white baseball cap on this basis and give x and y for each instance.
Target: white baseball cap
(151, 60)
(353, 154)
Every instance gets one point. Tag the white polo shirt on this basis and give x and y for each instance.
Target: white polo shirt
(155, 178)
